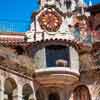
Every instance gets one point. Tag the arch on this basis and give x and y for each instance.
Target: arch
(42, 44)
(27, 92)
(53, 96)
(81, 93)
(9, 87)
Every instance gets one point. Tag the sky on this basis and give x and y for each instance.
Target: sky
(17, 13)
(93, 1)
(17, 9)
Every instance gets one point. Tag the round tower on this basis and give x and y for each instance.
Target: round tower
(57, 32)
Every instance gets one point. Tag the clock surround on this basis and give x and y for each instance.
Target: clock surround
(50, 20)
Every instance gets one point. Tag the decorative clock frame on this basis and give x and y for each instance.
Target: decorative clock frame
(50, 20)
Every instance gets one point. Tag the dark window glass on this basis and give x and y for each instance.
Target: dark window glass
(55, 53)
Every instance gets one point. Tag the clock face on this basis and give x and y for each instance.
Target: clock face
(50, 20)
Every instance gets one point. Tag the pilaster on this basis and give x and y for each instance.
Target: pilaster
(17, 94)
(1, 88)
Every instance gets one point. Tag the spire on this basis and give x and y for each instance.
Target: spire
(82, 7)
(42, 2)
(90, 3)
(82, 1)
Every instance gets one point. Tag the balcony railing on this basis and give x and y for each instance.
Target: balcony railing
(14, 26)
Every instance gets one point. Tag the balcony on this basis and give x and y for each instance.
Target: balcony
(56, 76)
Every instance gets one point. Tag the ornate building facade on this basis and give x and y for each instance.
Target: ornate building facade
(57, 59)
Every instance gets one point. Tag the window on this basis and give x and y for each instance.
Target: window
(81, 93)
(55, 53)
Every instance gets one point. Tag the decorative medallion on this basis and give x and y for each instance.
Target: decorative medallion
(50, 20)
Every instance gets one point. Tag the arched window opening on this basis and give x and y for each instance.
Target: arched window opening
(9, 87)
(81, 93)
(27, 92)
(53, 96)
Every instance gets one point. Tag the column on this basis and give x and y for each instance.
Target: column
(74, 59)
(40, 58)
(33, 95)
(17, 93)
(1, 89)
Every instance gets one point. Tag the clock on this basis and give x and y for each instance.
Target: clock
(50, 20)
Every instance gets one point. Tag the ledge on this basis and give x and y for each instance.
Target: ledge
(57, 69)
(56, 76)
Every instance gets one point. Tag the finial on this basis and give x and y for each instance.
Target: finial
(90, 3)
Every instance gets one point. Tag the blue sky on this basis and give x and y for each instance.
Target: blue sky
(19, 11)
(93, 1)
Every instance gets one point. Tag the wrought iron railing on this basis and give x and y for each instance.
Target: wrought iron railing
(14, 26)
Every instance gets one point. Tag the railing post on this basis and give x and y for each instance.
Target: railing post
(34, 36)
(2, 89)
(43, 36)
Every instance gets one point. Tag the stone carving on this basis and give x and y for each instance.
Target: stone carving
(97, 57)
(95, 90)
(66, 5)
(86, 62)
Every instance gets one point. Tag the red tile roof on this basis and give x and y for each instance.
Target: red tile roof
(12, 38)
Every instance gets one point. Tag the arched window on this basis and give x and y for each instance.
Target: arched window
(53, 96)
(27, 92)
(9, 87)
(81, 93)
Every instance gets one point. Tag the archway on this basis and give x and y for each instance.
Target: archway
(9, 87)
(53, 96)
(81, 93)
(27, 92)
